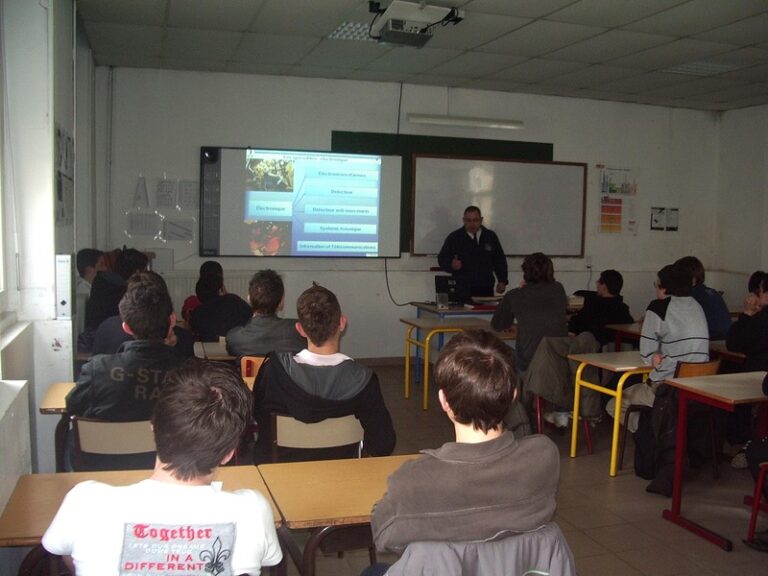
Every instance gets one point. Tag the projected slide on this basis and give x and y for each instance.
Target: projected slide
(299, 203)
(308, 204)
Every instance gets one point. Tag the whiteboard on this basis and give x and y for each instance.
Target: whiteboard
(532, 206)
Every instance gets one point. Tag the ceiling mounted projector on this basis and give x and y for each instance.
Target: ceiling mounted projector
(409, 23)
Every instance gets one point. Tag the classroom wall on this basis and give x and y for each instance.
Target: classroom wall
(158, 119)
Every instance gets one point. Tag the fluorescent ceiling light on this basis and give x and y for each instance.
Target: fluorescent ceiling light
(465, 121)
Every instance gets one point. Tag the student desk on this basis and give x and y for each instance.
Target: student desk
(628, 364)
(717, 348)
(37, 497)
(430, 327)
(326, 493)
(213, 351)
(724, 391)
(54, 403)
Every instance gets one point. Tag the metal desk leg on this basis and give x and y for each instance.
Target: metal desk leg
(408, 339)
(59, 440)
(673, 513)
(576, 401)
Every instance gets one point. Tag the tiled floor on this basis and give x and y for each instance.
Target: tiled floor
(612, 525)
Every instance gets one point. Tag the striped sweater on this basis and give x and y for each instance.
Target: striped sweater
(676, 327)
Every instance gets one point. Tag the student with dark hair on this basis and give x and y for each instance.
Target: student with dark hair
(674, 330)
(718, 317)
(486, 484)
(109, 286)
(755, 281)
(265, 331)
(474, 254)
(207, 268)
(199, 417)
(90, 261)
(125, 385)
(110, 334)
(539, 305)
(218, 312)
(604, 306)
(319, 382)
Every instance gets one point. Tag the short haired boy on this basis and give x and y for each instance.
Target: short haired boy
(124, 386)
(109, 286)
(177, 520)
(319, 382)
(219, 310)
(265, 331)
(605, 306)
(715, 309)
(487, 482)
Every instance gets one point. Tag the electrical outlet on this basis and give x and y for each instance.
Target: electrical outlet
(588, 262)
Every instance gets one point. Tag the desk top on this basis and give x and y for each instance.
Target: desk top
(455, 324)
(613, 361)
(213, 351)
(632, 329)
(740, 388)
(718, 348)
(54, 399)
(329, 492)
(37, 497)
(455, 310)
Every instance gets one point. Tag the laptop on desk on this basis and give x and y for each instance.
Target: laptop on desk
(455, 291)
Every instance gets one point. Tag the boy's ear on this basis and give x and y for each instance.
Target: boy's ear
(127, 329)
(300, 330)
(342, 323)
(228, 457)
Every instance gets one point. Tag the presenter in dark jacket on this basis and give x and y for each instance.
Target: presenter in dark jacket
(474, 254)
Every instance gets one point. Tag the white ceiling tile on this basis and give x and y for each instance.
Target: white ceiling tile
(591, 76)
(474, 64)
(672, 54)
(540, 37)
(474, 30)
(315, 71)
(741, 57)
(635, 84)
(747, 102)
(521, 8)
(744, 32)
(690, 86)
(343, 54)
(697, 16)
(271, 49)
(124, 40)
(610, 13)
(204, 14)
(302, 17)
(612, 44)
(752, 74)
(145, 12)
(536, 70)
(411, 60)
(379, 76)
(213, 45)
(744, 91)
(434, 80)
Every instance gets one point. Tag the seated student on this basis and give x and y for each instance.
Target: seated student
(539, 305)
(756, 454)
(110, 334)
(124, 386)
(219, 311)
(207, 268)
(749, 335)
(604, 306)
(177, 520)
(265, 332)
(674, 330)
(319, 382)
(107, 290)
(718, 317)
(485, 485)
(90, 262)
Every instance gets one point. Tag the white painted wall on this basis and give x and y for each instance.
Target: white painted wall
(159, 119)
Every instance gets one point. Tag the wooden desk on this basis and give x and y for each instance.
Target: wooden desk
(718, 349)
(37, 497)
(724, 391)
(430, 327)
(54, 402)
(628, 363)
(326, 493)
(213, 351)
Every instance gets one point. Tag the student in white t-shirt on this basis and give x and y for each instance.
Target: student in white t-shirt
(177, 521)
